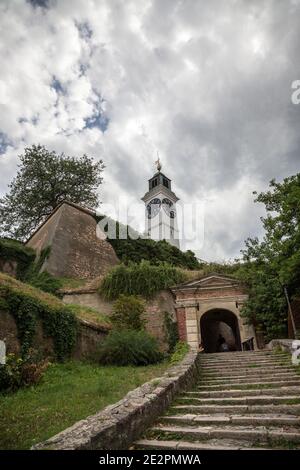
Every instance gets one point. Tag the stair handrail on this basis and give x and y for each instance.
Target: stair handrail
(290, 311)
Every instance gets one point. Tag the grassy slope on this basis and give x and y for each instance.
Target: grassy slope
(68, 392)
(85, 313)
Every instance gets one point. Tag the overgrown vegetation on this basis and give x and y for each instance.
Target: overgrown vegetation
(171, 330)
(21, 372)
(28, 267)
(90, 314)
(180, 350)
(29, 305)
(129, 347)
(140, 279)
(131, 247)
(274, 263)
(67, 393)
(128, 313)
(12, 250)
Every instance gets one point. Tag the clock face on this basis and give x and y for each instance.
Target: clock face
(153, 207)
(168, 207)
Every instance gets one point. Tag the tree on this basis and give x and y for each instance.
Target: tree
(274, 262)
(43, 181)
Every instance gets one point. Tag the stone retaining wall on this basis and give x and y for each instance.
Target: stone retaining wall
(89, 336)
(283, 344)
(118, 425)
(154, 315)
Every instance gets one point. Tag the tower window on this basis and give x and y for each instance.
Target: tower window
(165, 182)
(154, 183)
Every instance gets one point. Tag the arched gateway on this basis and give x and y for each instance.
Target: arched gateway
(209, 308)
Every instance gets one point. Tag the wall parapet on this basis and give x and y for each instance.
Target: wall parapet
(118, 425)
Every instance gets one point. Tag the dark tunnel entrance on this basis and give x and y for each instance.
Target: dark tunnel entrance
(218, 323)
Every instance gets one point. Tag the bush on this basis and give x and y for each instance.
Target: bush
(129, 347)
(127, 313)
(140, 279)
(180, 350)
(18, 372)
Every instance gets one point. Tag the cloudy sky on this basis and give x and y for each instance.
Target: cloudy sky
(206, 83)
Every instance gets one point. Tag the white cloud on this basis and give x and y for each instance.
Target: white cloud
(205, 83)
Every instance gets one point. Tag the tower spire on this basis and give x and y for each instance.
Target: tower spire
(158, 163)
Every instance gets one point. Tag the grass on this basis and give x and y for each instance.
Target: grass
(81, 312)
(68, 392)
(69, 283)
(90, 315)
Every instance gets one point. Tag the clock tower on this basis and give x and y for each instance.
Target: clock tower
(161, 216)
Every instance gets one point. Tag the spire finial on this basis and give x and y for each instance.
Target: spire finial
(158, 163)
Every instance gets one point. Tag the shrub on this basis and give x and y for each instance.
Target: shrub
(129, 347)
(180, 350)
(21, 372)
(131, 247)
(140, 279)
(127, 313)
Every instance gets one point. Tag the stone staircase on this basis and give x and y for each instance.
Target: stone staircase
(244, 400)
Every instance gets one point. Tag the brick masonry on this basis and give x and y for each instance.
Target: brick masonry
(181, 323)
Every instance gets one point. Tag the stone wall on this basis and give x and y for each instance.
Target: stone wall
(154, 314)
(76, 251)
(88, 338)
(118, 425)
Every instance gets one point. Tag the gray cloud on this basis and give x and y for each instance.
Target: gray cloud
(208, 84)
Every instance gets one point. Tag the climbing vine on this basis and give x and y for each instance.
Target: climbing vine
(59, 323)
(12, 250)
(171, 332)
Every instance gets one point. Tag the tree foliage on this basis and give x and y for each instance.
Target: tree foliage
(274, 262)
(131, 247)
(43, 181)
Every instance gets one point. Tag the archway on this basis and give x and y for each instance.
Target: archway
(218, 322)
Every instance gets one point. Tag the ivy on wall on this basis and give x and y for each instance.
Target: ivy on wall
(28, 266)
(171, 329)
(58, 322)
(12, 250)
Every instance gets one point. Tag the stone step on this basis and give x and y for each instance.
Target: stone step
(246, 420)
(238, 378)
(211, 444)
(250, 365)
(275, 391)
(233, 360)
(253, 372)
(239, 355)
(237, 409)
(229, 363)
(250, 385)
(253, 434)
(245, 400)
